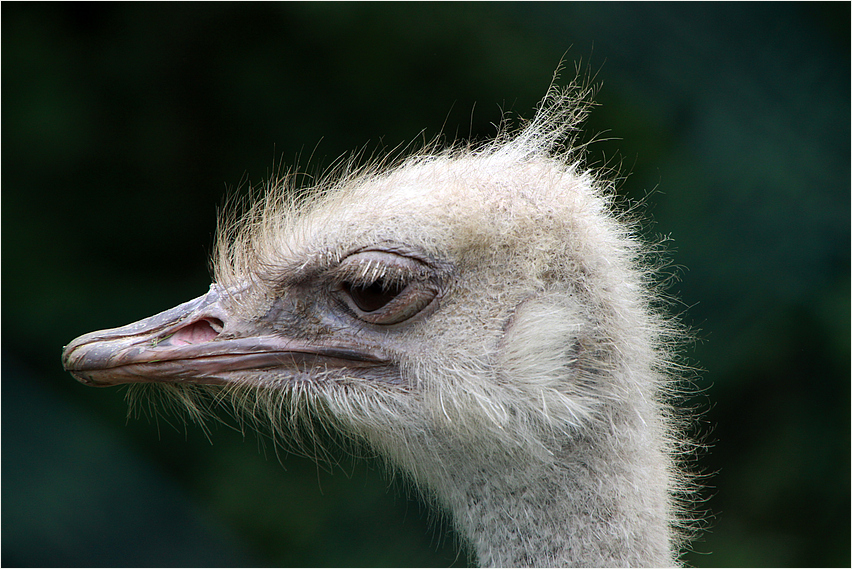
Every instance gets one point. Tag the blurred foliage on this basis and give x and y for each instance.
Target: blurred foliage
(124, 125)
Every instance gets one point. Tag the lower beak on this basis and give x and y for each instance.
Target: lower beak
(201, 341)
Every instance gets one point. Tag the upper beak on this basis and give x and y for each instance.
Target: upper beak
(201, 341)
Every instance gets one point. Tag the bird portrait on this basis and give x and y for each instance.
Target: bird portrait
(482, 316)
(354, 284)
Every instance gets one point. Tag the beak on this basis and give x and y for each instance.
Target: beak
(201, 341)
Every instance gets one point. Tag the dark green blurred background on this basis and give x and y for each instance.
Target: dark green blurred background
(124, 124)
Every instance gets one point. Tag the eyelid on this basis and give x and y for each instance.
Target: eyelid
(369, 266)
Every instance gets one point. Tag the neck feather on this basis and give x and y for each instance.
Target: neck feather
(592, 502)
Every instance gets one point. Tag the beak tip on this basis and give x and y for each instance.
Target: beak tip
(85, 380)
(75, 360)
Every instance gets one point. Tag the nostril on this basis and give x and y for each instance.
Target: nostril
(197, 332)
(216, 324)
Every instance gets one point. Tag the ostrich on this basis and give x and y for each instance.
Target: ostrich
(481, 316)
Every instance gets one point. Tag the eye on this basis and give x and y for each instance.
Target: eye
(373, 296)
(385, 288)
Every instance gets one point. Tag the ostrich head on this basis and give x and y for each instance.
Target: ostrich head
(480, 316)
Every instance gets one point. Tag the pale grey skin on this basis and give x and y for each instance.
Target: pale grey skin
(481, 317)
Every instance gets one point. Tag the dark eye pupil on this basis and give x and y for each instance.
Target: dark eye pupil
(374, 296)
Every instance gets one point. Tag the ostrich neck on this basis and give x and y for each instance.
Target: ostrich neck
(587, 507)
